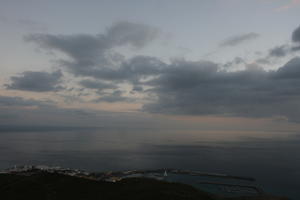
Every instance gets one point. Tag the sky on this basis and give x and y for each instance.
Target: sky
(209, 64)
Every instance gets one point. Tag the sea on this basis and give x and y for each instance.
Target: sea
(272, 158)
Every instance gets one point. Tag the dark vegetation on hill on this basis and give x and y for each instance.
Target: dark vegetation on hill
(45, 186)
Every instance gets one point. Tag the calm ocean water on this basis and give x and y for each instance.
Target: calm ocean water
(272, 158)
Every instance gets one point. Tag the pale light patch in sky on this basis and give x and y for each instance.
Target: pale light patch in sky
(291, 4)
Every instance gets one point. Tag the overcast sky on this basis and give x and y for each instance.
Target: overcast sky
(203, 64)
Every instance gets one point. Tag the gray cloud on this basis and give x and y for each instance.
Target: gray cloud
(238, 39)
(296, 35)
(94, 55)
(285, 49)
(36, 81)
(127, 33)
(279, 51)
(116, 96)
(181, 87)
(295, 48)
(8, 101)
(82, 48)
(200, 88)
(131, 70)
(235, 61)
(290, 70)
(137, 88)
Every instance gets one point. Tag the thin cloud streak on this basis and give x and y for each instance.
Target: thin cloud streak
(238, 39)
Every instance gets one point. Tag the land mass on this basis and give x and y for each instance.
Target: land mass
(54, 186)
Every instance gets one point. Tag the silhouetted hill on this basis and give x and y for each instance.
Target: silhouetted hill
(46, 186)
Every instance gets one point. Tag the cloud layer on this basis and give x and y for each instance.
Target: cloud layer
(200, 88)
(94, 55)
(178, 87)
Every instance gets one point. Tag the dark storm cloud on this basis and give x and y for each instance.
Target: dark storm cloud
(238, 39)
(200, 88)
(296, 35)
(36, 81)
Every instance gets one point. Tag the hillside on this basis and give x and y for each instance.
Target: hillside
(60, 187)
